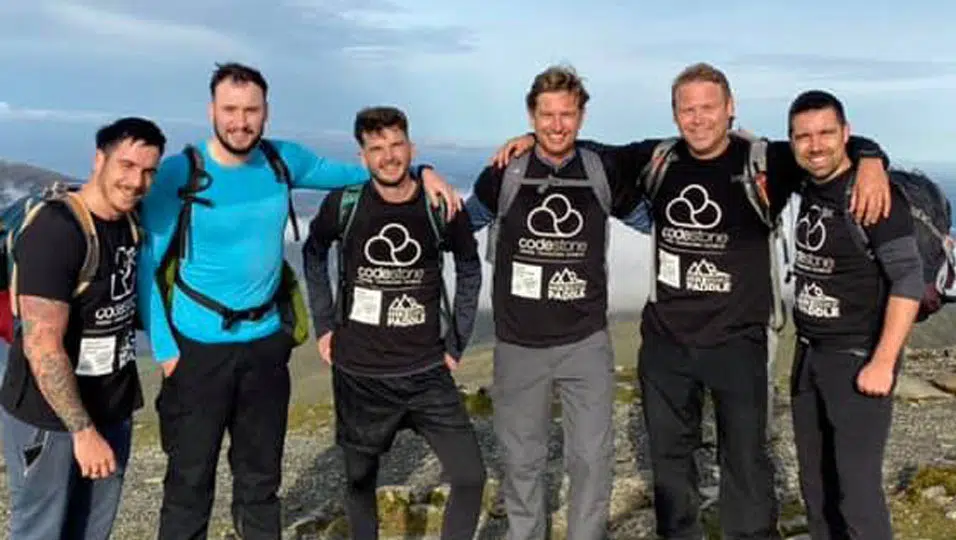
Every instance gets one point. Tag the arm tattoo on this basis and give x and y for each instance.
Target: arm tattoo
(44, 325)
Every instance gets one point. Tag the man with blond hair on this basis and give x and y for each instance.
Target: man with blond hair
(547, 241)
(705, 324)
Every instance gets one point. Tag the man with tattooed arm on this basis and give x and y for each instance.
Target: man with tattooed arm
(71, 384)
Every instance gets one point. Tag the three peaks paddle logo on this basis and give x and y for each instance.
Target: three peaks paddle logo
(566, 285)
(405, 311)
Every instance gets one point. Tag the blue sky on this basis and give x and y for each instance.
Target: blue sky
(460, 68)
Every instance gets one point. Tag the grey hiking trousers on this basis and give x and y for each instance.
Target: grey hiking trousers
(583, 375)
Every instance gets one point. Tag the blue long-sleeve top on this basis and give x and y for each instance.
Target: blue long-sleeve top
(235, 248)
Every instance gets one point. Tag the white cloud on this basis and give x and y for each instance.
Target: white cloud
(10, 112)
(146, 35)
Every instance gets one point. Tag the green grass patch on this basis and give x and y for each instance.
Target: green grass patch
(931, 476)
(306, 418)
(478, 403)
(919, 519)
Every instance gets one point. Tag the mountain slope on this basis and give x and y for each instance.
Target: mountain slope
(17, 178)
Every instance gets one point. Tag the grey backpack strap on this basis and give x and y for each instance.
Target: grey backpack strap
(754, 180)
(650, 180)
(511, 181)
(652, 175)
(594, 169)
(754, 173)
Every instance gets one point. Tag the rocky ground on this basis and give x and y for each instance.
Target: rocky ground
(920, 472)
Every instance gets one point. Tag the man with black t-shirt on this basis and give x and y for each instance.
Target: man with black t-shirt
(707, 326)
(857, 292)
(548, 238)
(71, 385)
(391, 369)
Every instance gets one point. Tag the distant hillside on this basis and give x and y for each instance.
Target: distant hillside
(17, 178)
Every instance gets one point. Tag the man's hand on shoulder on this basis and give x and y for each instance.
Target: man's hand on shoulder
(870, 198)
(437, 188)
(513, 148)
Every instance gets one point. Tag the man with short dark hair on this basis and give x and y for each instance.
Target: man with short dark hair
(391, 367)
(220, 331)
(857, 292)
(71, 385)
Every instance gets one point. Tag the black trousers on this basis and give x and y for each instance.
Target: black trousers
(239, 387)
(841, 437)
(370, 411)
(673, 379)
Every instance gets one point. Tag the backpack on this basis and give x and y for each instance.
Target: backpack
(17, 216)
(345, 217)
(514, 177)
(932, 219)
(288, 298)
(753, 180)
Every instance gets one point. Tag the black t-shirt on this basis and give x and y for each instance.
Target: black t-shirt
(550, 277)
(713, 256)
(100, 339)
(391, 313)
(841, 291)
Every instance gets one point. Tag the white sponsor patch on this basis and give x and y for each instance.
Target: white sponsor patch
(96, 356)
(366, 306)
(669, 268)
(526, 280)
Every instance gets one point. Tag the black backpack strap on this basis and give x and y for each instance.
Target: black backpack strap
(229, 316)
(859, 235)
(282, 175)
(438, 225)
(199, 180)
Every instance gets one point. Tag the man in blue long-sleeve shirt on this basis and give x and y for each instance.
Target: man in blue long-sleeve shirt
(227, 373)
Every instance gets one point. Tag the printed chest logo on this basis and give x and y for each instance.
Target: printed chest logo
(813, 302)
(553, 223)
(704, 276)
(691, 216)
(390, 254)
(122, 303)
(393, 246)
(565, 285)
(123, 280)
(810, 237)
(405, 311)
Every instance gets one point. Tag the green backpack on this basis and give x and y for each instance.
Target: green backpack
(288, 298)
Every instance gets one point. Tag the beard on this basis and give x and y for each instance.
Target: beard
(234, 149)
(389, 182)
